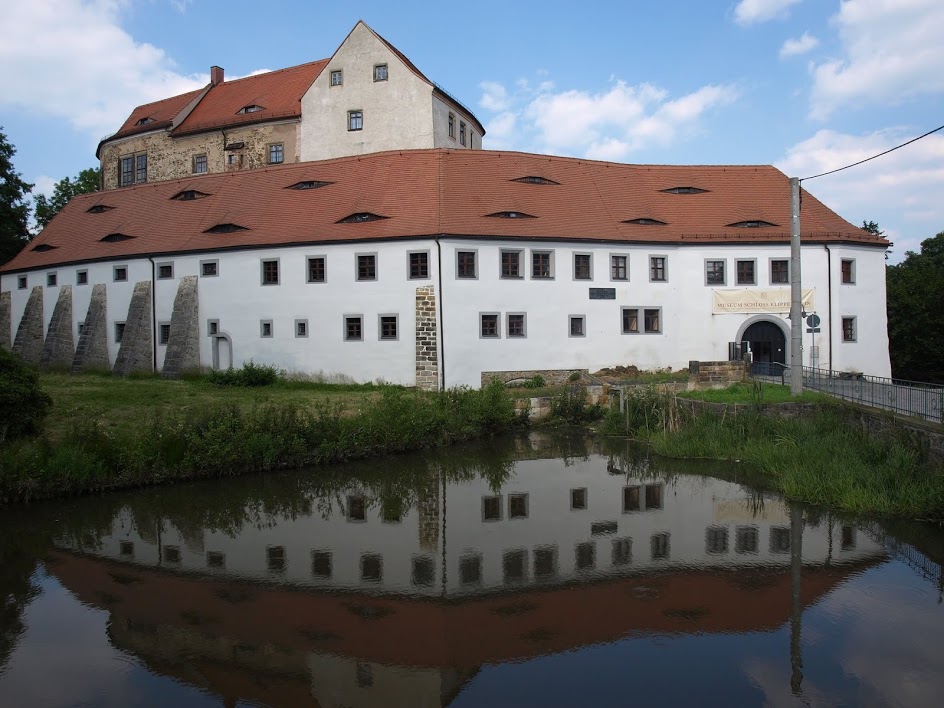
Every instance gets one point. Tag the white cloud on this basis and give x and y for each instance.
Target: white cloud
(71, 59)
(749, 12)
(44, 184)
(609, 124)
(901, 191)
(802, 45)
(892, 51)
(494, 96)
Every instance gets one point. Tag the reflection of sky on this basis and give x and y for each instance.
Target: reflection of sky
(875, 640)
(65, 659)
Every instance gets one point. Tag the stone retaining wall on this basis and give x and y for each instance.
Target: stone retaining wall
(6, 334)
(552, 377)
(60, 344)
(28, 344)
(716, 374)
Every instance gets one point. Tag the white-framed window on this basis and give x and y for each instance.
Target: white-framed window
(746, 271)
(577, 326)
(619, 266)
(269, 271)
(81, 277)
(353, 328)
(301, 328)
(583, 266)
(316, 270)
(779, 271)
(847, 267)
(715, 271)
(209, 269)
(266, 329)
(651, 320)
(165, 271)
(380, 72)
(849, 333)
(366, 266)
(510, 263)
(120, 273)
(489, 325)
(517, 325)
(355, 120)
(658, 269)
(337, 77)
(542, 265)
(466, 264)
(418, 265)
(388, 327)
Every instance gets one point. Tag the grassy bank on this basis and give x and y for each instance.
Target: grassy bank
(107, 433)
(822, 457)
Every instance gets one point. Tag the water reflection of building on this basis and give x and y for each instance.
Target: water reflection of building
(365, 606)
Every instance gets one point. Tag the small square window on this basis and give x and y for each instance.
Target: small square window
(470, 570)
(630, 320)
(266, 329)
(301, 328)
(848, 329)
(213, 327)
(317, 272)
(120, 274)
(216, 560)
(462, 132)
(492, 508)
(51, 279)
(353, 328)
(209, 269)
(119, 332)
(545, 562)
(81, 277)
(619, 267)
(652, 320)
(165, 271)
(511, 264)
(516, 325)
(321, 564)
(517, 506)
(465, 264)
(355, 120)
(21, 282)
(371, 567)
(199, 164)
(622, 551)
(380, 72)
(631, 499)
(172, 554)
(424, 571)
(585, 555)
(582, 266)
(388, 327)
(337, 77)
(489, 325)
(716, 540)
(356, 508)
(126, 549)
(419, 265)
(270, 272)
(276, 153)
(367, 267)
(578, 499)
(276, 561)
(659, 546)
(658, 269)
(779, 540)
(746, 539)
(452, 126)
(234, 159)
(578, 326)
(714, 272)
(163, 333)
(746, 274)
(541, 265)
(779, 271)
(847, 265)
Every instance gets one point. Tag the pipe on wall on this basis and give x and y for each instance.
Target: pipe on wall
(153, 313)
(829, 302)
(442, 333)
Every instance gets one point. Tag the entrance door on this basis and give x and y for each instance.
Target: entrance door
(222, 353)
(768, 344)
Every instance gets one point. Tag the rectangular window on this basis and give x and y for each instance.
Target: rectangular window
(545, 562)
(746, 272)
(419, 265)
(21, 282)
(276, 153)
(492, 508)
(653, 320)
(746, 539)
(371, 572)
(514, 566)
(452, 126)
(270, 272)
(172, 554)
(716, 540)
(653, 496)
(165, 271)
(631, 499)
(489, 325)
(470, 570)
(321, 564)
(462, 132)
(578, 326)
(622, 551)
(659, 546)
(388, 327)
(578, 499)
(81, 328)
(266, 329)
(541, 265)
(126, 170)
(779, 271)
(301, 328)
(120, 274)
(517, 506)
(119, 332)
(424, 571)
(51, 280)
(657, 269)
(465, 264)
(356, 508)
(779, 540)
(619, 267)
(355, 120)
(848, 271)
(516, 325)
(216, 559)
(585, 555)
(81, 277)
(630, 320)
(140, 168)
(848, 329)
(353, 328)
(337, 77)
(582, 266)
(367, 267)
(316, 269)
(213, 327)
(234, 159)
(209, 269)
(511, 264)
(714, 272)
(380, 72)
(199, 164)
(163, 333)
(275, 559)
(126, 549)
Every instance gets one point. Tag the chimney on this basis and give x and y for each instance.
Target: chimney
(216, 75)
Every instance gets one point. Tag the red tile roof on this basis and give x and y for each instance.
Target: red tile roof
(438, 192)
(161, 113)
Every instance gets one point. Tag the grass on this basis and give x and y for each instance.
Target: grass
(756, 393)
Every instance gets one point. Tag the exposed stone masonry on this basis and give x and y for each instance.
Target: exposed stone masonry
(60, 344)
(716, 374)
(28, 344)
(427, 350)
(183, 345)
(136, 352)
(552, 377)
(6, 334)
(91, 354)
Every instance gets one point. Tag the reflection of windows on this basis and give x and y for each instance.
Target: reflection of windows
(172, 554)
(491, 508)
(390, 514)
(321, 564)
(364, 674)
(659, 546)
(356, 508)
(622, 551)
(578, 498)
(515, 566)
(630, 499)
(653, 496)
(545, 562)
(517, 506)
(126, 549)
(423, 572)
(716, 540)
(470, 570)
(603, 528)
(848, 538)
(216, 559)
(586, 555)
(371, 567)
(275, 559)
(779, 540)
(746, 539)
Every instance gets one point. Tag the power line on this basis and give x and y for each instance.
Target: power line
(840, 169)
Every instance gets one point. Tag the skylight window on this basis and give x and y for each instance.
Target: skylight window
(251, 108)
(360, 217)
(43, 247)
(188, 195)
(756, 224)
(512, 215)
(309, 184)
(534, 179)
(115, 238)
(645, 222)
(98, 209)
(225, 229)
(685, 190)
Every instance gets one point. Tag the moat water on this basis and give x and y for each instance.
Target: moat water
(547, 570)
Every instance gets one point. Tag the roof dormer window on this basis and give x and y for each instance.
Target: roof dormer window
(43, 247)
(225, 229)
(534, 179)
(753, 224)
(309, 184)
(360, 218)
(512, 215)
(145, 121)
(188, 195)
(251, 108)
(115, 238)
(645, 222)
(98, 209)
(684, 190)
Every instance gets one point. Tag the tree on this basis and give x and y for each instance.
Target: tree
(86, 182)
(915, 290)
(14, 209)
(872, 228)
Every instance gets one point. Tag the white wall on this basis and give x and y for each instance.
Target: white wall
(441, 139)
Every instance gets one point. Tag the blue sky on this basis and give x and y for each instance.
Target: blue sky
(806, 85)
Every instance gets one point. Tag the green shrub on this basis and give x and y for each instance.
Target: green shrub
(250, 375)
(536, 381)
(23, 405)
(570, 406)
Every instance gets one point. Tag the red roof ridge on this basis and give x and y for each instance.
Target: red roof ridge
(269, 72)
